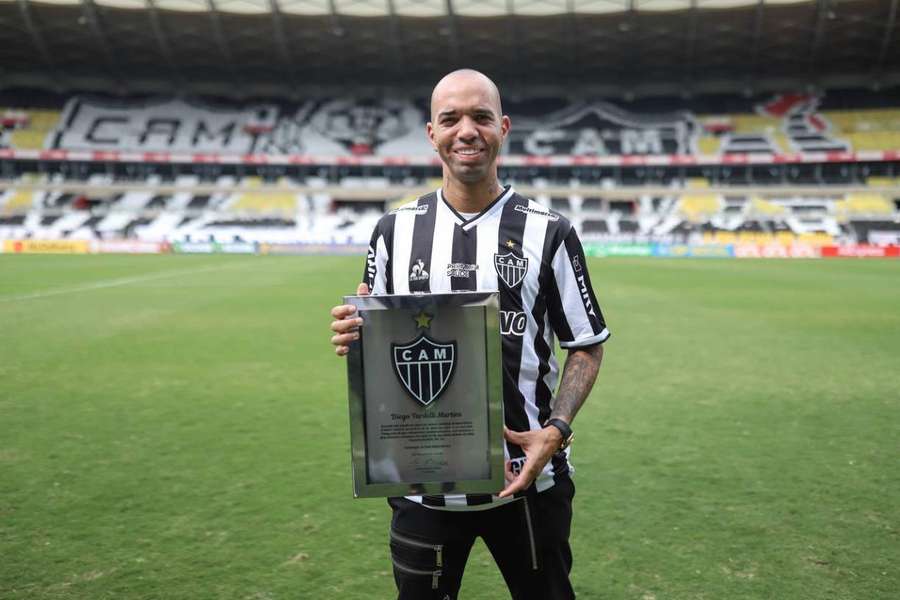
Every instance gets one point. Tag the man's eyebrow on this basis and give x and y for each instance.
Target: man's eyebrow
(478, 111)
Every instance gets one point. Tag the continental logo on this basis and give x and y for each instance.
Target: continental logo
(46, 246)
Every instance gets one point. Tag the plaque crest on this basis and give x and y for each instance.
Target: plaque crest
(510, 268)
(424, 367)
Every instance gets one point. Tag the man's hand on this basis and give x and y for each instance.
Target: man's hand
(346, 323)
(539, 446)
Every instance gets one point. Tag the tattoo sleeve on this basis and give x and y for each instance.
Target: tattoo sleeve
(579, 374)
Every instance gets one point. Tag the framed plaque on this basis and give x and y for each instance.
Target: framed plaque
(426, 400)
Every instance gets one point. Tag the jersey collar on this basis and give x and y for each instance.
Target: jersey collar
(495, 205)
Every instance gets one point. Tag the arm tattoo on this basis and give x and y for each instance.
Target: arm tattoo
(578, 377)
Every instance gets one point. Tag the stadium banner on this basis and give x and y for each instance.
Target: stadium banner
(130, 247)
(860, 251)
(618, 249)
(776, 251)
(299, 248)
(47, 246)
(693, 250)
(214, 247)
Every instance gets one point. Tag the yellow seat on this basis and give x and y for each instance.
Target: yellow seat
(698, 207)
(18, 202)
(33, 136)
(264, 202)
(863, 203)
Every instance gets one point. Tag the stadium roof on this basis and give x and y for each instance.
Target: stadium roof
(242, 48)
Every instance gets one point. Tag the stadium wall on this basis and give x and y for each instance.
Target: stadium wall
(648, 250)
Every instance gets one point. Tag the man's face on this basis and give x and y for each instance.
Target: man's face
(467, 128)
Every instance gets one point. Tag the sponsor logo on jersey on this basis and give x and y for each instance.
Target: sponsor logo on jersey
(424, 367)
(585, 296)
(576, 264)
(512, 322)
(510, 268)
(418, 272)
(371, 269)
(516, 465)
(461, 270)
(419, 209)
(535, 211)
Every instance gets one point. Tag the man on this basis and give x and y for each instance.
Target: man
(474, 234)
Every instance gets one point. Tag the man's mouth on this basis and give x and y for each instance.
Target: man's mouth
(467, 152)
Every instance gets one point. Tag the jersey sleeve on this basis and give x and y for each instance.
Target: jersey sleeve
(573, 309)
(377, 274)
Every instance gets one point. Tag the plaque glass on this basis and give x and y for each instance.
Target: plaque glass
(426, 406)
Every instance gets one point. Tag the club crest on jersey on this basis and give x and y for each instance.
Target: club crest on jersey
(510, 268)
(424, 365)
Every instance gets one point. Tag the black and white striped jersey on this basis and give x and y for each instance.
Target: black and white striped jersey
(533, 257)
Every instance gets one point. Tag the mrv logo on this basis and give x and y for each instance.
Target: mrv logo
(512, 322)
(424, 365)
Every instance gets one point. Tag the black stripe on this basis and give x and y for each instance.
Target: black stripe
(560, 465)
(512, 227)
(554, 302)
(477, 499)
(422, 241)
(464, 253)
(433, 501)
(583, 281)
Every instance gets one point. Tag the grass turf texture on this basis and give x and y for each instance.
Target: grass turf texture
(176, 428)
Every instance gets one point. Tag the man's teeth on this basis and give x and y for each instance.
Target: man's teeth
(468, 151)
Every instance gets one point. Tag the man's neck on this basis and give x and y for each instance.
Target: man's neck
(471, 198)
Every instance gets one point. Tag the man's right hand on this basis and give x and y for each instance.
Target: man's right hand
(346, 323)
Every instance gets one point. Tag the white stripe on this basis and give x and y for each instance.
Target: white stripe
(442, 248)
(403, 238)
(487, 247)
(122, 281)
(596, 339)
(570, 295)
(532, 249)
(381, 256)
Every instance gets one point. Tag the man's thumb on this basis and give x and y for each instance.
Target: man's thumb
(512, 436)
(362, 289)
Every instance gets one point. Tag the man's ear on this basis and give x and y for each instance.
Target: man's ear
(505, 125)
(429, 130)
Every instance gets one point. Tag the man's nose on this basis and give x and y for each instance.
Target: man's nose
(467, 130)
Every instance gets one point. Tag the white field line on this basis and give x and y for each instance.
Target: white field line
(108, 283)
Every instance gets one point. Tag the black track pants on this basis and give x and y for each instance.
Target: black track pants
(528, 538)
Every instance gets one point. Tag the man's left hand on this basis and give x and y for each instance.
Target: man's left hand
(539, 446)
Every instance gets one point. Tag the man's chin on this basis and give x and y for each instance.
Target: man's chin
(470, 173)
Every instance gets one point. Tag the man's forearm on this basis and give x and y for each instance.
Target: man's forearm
(579, 374)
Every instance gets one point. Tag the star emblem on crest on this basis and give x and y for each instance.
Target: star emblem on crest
(510, 244)
(423, 320)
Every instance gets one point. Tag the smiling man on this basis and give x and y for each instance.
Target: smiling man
(474, 234)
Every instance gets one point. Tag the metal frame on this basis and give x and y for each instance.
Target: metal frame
(162, 41)
(801, 33)
(363, 408)
(889, 27)
(93, 21)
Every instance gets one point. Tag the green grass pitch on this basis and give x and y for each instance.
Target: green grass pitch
(175, 427)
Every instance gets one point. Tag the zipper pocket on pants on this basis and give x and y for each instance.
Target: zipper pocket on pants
(435, 575)
(438, 548)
